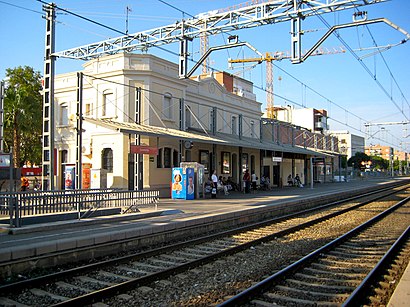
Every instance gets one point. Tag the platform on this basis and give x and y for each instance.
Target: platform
(35, 240)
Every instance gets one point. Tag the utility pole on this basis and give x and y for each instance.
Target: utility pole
(2, 88)
(48, 156)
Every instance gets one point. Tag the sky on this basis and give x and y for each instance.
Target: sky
(364, 91)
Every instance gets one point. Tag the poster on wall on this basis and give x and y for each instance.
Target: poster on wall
(69, 177)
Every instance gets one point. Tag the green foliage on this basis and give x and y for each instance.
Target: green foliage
(23, 115)
(357, 159)
(344, 162)
(378, 163)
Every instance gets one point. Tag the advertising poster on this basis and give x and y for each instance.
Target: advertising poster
(178, 186)
(190, 183)
(69, 177)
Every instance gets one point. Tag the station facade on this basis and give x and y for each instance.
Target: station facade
(140, 120)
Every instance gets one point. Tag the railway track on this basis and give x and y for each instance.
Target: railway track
(98, 281)
(341, 272)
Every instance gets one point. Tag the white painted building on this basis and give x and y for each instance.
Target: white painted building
(214, 120)
(349, 144)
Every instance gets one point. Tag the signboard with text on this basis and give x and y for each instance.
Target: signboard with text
(144, 150)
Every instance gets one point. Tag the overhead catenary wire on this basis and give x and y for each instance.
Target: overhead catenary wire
(21, 7)
(374, 77)
(166, 50)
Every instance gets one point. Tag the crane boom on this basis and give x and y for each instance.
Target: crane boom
(213, 22)
(278, 56)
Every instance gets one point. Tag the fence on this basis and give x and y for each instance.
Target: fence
(18, 205)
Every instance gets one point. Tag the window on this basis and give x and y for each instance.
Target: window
(167, 158)
(252, 128)
(159, 158)
(64, 115)
(175, 158)
(64, 156)
(211, 120)
(187, 117)
(226, 163)
(167, 106)
(245, 162)
(88, 107)
(234, 125)
(108, 104)
(107, 159)
(204, 160)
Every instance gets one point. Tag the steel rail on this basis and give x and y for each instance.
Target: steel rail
(112, 290)
(267, 283)
(53, 276)
(360, 293)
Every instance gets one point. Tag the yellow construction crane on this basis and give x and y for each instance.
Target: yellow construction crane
(277, 56)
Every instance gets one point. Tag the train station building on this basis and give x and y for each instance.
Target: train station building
(140, 120)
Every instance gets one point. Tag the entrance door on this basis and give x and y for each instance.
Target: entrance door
(266, 171)
(276, 175)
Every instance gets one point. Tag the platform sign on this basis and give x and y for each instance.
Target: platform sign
(144, 150)
(5, 160)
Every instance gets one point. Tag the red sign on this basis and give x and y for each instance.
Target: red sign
(144, 150)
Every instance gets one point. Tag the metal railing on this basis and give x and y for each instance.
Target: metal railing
(18, 205)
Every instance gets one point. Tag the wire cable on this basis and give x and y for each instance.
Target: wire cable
(21, 7)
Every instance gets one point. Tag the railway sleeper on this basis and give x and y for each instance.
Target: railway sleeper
(335, 274)
(163, 262)
(345, 253)
(333, 281)
(133, 270)
(319, 286)
(65, 285)
(312, 295)
(40, 292)
(86, 279)
(339, 269)
(114, 276)
(174, 258)
(362, 246)
(286, 301)
(6, 302)
(148, 267)
(189, 256)
(338, 261)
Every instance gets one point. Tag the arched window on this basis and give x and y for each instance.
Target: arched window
(167, 108)
(107, 159)
(167, 157)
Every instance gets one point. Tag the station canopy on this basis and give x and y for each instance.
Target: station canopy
(202, 137)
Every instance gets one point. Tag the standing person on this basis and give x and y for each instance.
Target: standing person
(24, 183)
(254, 181)
(247, 181)
(37, 185)
(214, 179)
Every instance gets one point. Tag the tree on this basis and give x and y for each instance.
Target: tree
(378, 163)
(357, 159)
(23, 115)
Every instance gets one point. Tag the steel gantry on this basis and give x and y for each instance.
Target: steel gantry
(215, 22)
(261, 12)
